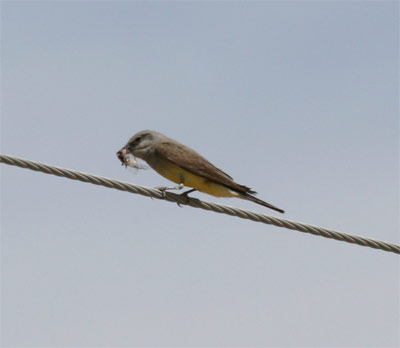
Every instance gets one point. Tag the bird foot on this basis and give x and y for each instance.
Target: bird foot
(167, 188)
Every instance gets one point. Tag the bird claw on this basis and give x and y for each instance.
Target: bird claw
(162, 189)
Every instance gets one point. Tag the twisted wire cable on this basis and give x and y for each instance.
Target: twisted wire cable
(197, 203)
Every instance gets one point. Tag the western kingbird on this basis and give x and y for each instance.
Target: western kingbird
(186, 167)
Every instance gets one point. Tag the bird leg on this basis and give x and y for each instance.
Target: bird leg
(185, 194)
(179, 187)
(166, 188)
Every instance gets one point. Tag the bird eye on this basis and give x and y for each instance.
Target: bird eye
(135, 142)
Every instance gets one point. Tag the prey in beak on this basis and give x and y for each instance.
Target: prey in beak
(128, 160)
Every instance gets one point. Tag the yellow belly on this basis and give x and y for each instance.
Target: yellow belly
(179, 175)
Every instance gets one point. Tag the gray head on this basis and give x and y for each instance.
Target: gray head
(141, 143)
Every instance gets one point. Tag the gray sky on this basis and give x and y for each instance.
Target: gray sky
(298, 100)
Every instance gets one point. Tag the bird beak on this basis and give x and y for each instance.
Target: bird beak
(121, 155)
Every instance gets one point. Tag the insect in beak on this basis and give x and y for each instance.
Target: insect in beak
(128, 160)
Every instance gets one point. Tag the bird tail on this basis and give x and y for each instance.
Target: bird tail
(261, 202)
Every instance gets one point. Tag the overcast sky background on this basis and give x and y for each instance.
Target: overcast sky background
(298, 100)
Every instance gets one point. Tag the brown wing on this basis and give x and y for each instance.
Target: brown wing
(193, 162)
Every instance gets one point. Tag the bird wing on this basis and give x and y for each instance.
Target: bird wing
(190, 160)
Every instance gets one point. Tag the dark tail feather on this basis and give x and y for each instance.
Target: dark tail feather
(259, 201)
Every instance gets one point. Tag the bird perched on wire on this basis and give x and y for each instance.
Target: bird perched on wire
(184, 166)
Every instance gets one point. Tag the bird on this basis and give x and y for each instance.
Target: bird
(185, 167)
